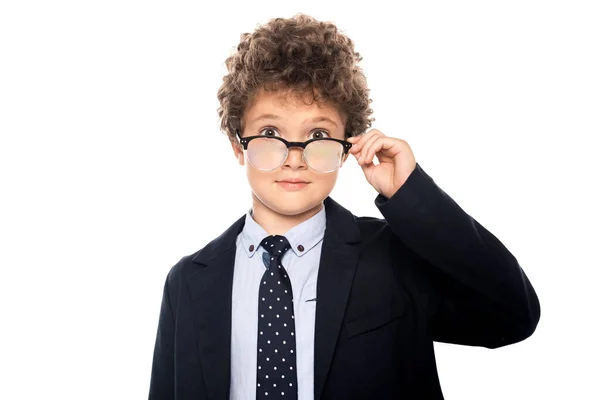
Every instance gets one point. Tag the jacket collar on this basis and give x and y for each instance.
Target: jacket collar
(336, 216)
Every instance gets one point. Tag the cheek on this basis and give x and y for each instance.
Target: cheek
(326, 181)
(259, 179)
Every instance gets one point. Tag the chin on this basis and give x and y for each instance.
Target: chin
(291, 203)
(284, 207)
(290, 210)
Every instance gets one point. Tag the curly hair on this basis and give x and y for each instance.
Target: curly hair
(302, 56)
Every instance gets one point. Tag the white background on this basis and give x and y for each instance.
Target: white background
(113, 167)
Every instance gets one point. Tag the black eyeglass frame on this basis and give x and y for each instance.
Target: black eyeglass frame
(245, 140)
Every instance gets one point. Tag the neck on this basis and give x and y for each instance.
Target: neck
(277, 223)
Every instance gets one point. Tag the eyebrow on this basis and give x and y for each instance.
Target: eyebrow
(315, 119)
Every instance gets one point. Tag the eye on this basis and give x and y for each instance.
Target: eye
(269, 131)
(320, 134)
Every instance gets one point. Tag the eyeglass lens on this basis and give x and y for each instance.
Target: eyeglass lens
(322, 155)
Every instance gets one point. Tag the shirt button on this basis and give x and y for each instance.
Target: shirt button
(251, 247)
(300, 247)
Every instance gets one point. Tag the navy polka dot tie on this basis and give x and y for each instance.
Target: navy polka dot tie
(276, 360)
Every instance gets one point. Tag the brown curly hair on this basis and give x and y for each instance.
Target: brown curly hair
(302, 56)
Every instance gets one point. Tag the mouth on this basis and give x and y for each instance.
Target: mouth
(295, 180)
(292, 184)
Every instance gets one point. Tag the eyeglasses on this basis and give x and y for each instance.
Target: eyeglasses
(267, 153)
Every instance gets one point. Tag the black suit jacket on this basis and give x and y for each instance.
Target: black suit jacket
(387, 288)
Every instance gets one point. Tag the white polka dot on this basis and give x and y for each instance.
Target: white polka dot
(267, 358)
(271, 274)
(278, 282)
(282, 376)
(285, 308)
(290, 384)
(260, 350)
(283, 359)
(267, 376)
(271, 290)
(268, 341)
(281, 240)
(263, 299)
(277, 315)
(284, 342)
(275, 368)
(277, 333)
(262, 315)
(270, 307)
(275, 350)
(274, 385)
(284, 324)
(278, 300)
(261, 332)
(259, 385)
(291, 351)
(269, 324)
(259, 367)
(282, 393)
(291, 367)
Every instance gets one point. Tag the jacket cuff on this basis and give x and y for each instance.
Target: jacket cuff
(410, 194)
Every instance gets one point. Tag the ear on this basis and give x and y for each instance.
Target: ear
(238, 151)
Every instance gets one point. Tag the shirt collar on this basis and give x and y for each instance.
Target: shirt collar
(302, 237)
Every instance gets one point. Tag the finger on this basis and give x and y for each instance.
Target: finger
(361, 151)
(361, 140)
(354, 140)
(367, 168)
(365, 149)
(380, 143)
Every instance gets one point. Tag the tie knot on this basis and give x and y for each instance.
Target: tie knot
(276, 245)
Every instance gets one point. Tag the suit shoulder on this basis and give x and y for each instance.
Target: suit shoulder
(180, 269)
(187, 264)
(369, 220)
(372, 228)
(370, 223)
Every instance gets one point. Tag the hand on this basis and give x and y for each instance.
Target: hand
(396, 160)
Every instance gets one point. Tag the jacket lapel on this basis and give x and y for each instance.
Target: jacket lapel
(336, 272)
(210, 288)
(211, 282)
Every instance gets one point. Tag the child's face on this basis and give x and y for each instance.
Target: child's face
(291, 119)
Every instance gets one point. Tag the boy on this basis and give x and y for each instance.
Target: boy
(365, 297)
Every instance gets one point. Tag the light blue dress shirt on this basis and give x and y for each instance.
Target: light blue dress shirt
(302, 265)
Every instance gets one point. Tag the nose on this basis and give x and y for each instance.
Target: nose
(295, 158)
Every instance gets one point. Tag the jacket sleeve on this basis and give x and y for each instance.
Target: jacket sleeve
(162, 385)
(477, 294)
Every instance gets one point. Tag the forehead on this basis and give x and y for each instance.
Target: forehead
(289, 105)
